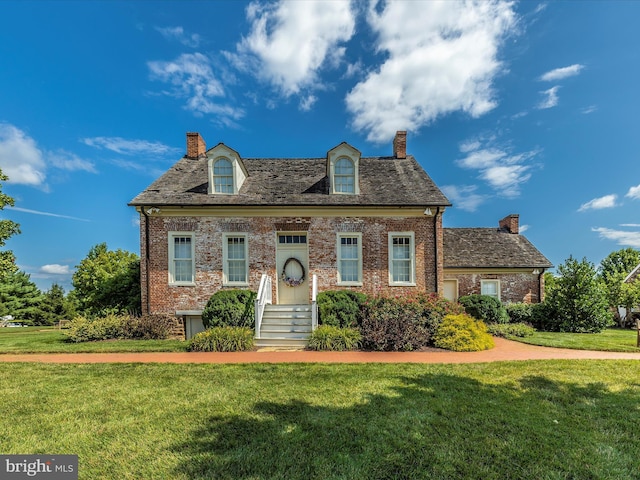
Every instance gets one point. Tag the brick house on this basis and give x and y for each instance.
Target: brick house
(289, 228)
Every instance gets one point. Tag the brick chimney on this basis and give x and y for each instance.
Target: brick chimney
(195, 145)
(400, 144)
(510, 223)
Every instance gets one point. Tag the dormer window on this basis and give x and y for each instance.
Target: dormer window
(223, 176)
(344, 176)
(342, 169)
(226, 171)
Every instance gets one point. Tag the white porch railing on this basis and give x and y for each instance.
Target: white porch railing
(314, 303)
(263, 298)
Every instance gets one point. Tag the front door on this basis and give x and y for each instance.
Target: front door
(292, 267)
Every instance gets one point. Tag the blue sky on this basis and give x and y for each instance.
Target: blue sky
(511, 107)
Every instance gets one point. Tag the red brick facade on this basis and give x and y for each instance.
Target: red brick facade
(158, 296)
(523, 286)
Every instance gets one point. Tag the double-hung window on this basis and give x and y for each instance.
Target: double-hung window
(235, 251)
(402, 261)
(181, 258)
(350, 259)
(223, 176)
(490, 288)
(344, 176)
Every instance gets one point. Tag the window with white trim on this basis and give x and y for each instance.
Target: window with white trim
(349, 258)
(181, 258)
(344, 176)
(223, 176)
(402, 259)
(235, 252)
(490, 288)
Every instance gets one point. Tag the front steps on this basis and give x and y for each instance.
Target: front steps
(285, 326)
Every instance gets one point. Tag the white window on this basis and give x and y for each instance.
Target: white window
(344, 176)
(235, 252)
(223, 176)
(350, 259)
(402, 261)
(181, 258)
(490, 288)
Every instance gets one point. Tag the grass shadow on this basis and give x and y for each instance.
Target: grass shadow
(428, 426)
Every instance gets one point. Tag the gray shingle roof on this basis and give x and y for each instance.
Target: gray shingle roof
(489, 248)
(384, 181)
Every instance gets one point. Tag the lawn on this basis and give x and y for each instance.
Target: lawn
(51, 340)
(611, 340)
(524, 420)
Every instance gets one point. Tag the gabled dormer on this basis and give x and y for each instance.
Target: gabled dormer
(226, 170)
(343, 166)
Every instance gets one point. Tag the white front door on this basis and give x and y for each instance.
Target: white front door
(292, 267)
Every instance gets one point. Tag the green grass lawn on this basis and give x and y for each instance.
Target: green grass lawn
(50, 340)
(611, 340)
(521, 420)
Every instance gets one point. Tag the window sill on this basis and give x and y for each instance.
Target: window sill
(349, 284)
(182, 284)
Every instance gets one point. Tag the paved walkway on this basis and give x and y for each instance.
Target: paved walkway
(503, 351)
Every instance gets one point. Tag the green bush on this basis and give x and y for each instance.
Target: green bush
(507, 330)
(520, 312)
(149, 327)
(230, 308)
(544, 317)
(340, 308)
(83, 329)
(222, 339)
(328, 337)
(462, 333)
(485, 308)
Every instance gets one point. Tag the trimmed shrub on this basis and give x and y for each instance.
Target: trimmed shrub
(222, 339)
(462, 333)
(507, 330)
(149, 327)
(485, 308)
(544, 317)
(434, 309)
(393, 324)
(340, 308)
(230, 308)
(82, 329)
(330, 338)
(520, 312)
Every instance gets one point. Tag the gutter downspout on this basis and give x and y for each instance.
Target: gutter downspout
(146, 258)
(435, 244)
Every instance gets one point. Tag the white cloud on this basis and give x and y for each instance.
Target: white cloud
(20, 158)
(634, 192)
(561, 73)
(70, 161)
(129, 147)
(442, 57)
(191, 77)
(307, 103)
(177, 33)
(55, 269)
(608, 201)
(503, 171)
(290, 42)
(589, 109)
(631, 225)
(464, 196)
(47, 214)
(628, 239)
(551, 98)
(524, 228)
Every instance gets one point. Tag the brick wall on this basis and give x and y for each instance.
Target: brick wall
(514, 287)
(165, 298)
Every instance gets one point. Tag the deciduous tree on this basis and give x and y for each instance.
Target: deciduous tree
(8, 228)
(108, 281)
